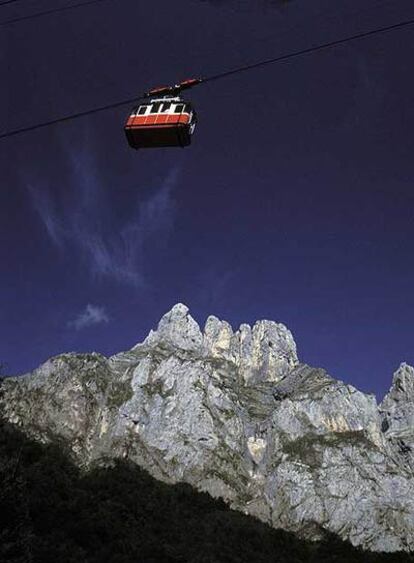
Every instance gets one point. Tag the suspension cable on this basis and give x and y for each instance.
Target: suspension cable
(8, 2)
(280, 58)
(312, 49)
(47, 12)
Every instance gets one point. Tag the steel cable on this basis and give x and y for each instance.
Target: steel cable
(230, 72)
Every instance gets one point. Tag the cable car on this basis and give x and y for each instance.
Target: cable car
(166, 120)
(163, 122)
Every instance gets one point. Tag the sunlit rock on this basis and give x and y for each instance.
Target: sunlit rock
(397, 412)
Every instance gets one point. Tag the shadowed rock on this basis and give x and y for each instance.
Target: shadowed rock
(53, 512)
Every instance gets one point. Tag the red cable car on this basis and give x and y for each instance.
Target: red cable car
(165, 121)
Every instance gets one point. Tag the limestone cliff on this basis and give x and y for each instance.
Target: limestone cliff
(236, 414)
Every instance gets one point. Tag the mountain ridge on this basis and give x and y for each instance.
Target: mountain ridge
(237, 414)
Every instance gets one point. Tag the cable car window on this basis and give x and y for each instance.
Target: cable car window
(155, 107)
(166, 106)
(142, 110)
(179, 108)
(187, 109)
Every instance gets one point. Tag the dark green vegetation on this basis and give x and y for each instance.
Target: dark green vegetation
(50, 512)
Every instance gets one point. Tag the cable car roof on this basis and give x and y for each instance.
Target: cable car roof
(165, 99)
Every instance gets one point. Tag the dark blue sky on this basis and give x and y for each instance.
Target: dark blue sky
(295, 202)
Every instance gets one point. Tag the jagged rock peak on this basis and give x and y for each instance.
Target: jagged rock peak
(397, 413)
(176, 329)
(266, 352)
(403, 382)
(234, 413)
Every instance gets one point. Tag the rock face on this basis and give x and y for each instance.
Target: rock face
(236, 414)
(397, 413)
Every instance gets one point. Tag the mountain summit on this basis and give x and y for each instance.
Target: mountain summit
(236, 414)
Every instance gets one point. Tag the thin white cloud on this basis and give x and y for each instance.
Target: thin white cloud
(43, 206)
(92, 315)
(85, 221)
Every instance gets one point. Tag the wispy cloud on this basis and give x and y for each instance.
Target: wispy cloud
(85, 221)
(92, 315)
(44, 207)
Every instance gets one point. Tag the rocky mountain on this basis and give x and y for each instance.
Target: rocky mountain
(236, 414)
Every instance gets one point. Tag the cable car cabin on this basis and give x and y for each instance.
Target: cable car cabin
(162, 122)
